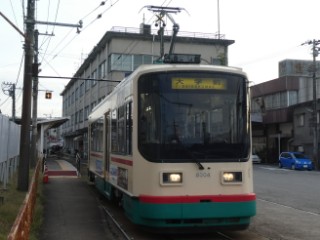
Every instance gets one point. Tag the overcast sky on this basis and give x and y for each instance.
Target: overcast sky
(265, 32)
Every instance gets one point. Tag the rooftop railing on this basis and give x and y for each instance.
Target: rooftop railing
(168, 32)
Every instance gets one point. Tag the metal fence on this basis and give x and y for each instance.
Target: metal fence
(9, 148)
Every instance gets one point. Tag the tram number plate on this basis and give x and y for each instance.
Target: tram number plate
(203, 175)
(305, 166)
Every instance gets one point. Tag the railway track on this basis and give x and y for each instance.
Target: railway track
(120, 231)
(122, 228)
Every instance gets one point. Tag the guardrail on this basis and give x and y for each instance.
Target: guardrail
(21, 227)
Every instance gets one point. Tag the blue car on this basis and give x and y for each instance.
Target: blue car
(295, 160)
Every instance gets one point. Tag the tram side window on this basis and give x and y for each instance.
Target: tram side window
(97, 136)
(121, 129)
(129, 127)
(114, 130)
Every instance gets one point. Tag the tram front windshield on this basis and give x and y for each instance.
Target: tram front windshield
(188, 116)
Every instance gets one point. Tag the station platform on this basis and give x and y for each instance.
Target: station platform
(60, 168)
(71, 208)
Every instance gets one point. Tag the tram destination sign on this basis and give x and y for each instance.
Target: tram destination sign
(199, 83)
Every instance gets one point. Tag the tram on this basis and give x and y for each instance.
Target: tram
(172, 144)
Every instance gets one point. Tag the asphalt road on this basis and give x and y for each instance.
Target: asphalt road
(288, 203)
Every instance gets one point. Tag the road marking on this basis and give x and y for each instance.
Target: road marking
(285, 206)
(276, 169)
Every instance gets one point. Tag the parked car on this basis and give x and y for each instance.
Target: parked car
(295, 160)
(255, 158)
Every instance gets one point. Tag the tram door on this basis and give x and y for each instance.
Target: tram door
(107, 144)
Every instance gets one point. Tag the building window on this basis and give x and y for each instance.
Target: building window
(279, 100)
(301, 120)
(94, 76)
(77, 94)
(283, 99)
(76, 119)
(121, 62)
(101, 70)
(86, 112)
(81, 116)
(293, 97)
(87, 84)
(137, 61)
(126, 62)
(81, 89)
(276, 100)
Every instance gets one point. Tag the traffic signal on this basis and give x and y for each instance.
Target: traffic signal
(48, 95)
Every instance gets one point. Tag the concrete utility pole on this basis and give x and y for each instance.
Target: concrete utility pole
(315, 53)
(23, 176)
(35, 69)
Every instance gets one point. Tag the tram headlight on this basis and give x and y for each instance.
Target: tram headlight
(231, 177)
(171, 178)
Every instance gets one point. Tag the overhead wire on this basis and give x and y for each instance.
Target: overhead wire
(87, 15)
(48, 63)
(55, 20)
(98, 17)
(14, 15)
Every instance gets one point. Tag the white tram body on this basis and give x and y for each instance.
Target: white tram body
(172, 142)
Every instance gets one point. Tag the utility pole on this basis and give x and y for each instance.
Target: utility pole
(35, 70)
(13, 96)
(34, 152)
(10, 89)
(23, 176)
(315, 53)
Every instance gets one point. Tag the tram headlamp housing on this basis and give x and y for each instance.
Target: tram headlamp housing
(171, 178)
(231, 177)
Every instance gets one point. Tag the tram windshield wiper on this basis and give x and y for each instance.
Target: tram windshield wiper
(200, 166)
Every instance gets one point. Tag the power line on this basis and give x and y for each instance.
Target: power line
(68, 43)
(88, 25)
(79, 78)
(52, 29)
